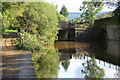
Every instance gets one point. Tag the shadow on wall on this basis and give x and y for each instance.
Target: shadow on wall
(81, 34)
(66, 35)
(90, 34)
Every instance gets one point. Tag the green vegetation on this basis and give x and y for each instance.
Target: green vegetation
(0, 21)
(27, 41)
(116, 12)
(41, 19)
(90, 9)
(64, 11)
(46, 64)
(66, 64)
(116, 29)
(104, 15)
(82, 26)
(92, 70)
(36, 24)
(8, 31)
(62, 18)
(37, 21)
(10, 10)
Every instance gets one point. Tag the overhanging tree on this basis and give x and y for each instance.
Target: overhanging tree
(90, 9)
(42, 17)
(116, 12)
(10, 10)
(36, 20)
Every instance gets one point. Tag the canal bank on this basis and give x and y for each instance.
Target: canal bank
(16, 63)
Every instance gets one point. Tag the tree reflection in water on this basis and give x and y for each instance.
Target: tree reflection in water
(46, 63)
(65, 64)
(92, 70)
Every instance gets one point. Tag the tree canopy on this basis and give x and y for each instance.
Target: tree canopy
(64, 11)
(36, 23)
(62, 18)
(92, 70)
(66, 64)
(90, 9)
(42, 18)
(10, 10)
(116, 12)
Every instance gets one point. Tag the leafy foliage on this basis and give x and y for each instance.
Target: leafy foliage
(62, 18)
(46, 63)
(65, 64)
(31, 20)
(82, 26)
(42, 18)
(116, 12)
(0, 21)
(90, 9)
(27, 41)
(92, 70)
(9, 31)
(64, 11)
(10, 10)
(104, 15)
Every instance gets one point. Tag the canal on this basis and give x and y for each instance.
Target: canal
(81, 60)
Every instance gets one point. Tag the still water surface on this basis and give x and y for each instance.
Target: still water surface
(88, 60)
(79, 60)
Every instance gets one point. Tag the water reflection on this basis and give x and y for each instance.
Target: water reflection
(46, 63)
(79, 60)
(65, 64)
(91, 69)
(88, 60)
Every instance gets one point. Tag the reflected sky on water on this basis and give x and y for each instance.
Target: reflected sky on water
(74, 54)
(75, 67)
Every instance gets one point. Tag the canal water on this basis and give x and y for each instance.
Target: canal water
(81, 60)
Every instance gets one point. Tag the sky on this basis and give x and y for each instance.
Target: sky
(72, 5)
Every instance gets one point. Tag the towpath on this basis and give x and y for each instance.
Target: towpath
(15, 63)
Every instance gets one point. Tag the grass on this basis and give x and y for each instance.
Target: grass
(9, 31)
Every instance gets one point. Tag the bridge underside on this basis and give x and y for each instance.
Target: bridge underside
(80, 34)
(66, 35)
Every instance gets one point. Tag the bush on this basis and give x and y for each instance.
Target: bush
(81, 26)
(62, 18)
(28, 41)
